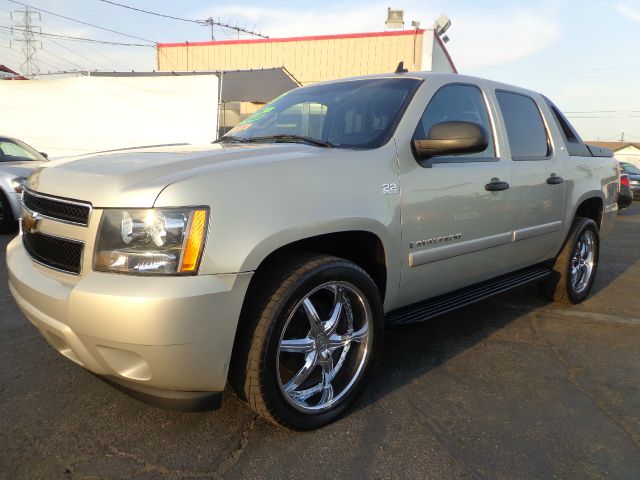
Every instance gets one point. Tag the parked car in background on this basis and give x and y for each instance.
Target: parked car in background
(633, 173)
(275, 257)
(625, 197)
(17, 160)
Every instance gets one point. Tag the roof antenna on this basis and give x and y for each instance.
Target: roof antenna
(400, 68)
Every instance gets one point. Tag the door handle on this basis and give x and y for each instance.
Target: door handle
(554, 179)
(496, 186)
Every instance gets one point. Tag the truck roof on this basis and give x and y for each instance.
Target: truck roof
(453, 77)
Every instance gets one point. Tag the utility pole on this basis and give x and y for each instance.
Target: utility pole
(25, 31)
(622, 137)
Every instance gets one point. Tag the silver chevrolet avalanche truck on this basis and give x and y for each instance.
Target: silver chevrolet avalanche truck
(275, 257)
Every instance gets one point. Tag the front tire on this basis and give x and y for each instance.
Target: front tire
(309, 341)
(575, 267)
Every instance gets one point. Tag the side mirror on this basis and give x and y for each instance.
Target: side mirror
(44, 155)
(452, 138)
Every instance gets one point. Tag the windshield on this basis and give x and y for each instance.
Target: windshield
(17, 151)
(351, 114)
(631, 169)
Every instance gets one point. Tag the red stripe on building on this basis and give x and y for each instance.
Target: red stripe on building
(295, 39)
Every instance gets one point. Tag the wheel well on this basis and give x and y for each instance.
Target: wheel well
(591, 208)
(364, 249)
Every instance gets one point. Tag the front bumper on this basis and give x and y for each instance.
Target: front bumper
(148, 333)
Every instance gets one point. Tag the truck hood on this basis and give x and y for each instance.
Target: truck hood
(134, 178)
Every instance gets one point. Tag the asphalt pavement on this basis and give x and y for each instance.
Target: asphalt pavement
(513, 388)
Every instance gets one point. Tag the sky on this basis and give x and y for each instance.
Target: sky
(583, 55)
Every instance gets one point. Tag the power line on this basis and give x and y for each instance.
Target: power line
(608, 139)
(85, 46)
(604, 111)
(50, 65)
(74, 52)
(81, 39)
(199, 22)
(9, 48)
(565, 69)
(211, 22)
(65, 60)
(603, 117)
(82, 22)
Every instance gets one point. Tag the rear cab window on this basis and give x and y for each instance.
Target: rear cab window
(526, 131)
(573, 142)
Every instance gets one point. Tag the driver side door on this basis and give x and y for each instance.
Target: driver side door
(456, 232)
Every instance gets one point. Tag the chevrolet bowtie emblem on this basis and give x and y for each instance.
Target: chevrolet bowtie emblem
(30, 222)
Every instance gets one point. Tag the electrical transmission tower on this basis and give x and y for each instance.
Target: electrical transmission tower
(25, 30)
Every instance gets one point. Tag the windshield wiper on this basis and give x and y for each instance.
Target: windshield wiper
(291, 138)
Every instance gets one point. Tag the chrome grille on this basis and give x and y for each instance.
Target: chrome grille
(62, 209)
(54, 252)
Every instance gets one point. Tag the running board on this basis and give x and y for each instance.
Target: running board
(446, 303)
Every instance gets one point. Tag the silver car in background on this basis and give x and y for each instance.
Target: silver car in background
(17, 160)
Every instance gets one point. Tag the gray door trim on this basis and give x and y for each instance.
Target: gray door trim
(529, 232)
(470, 246)
(441, 253)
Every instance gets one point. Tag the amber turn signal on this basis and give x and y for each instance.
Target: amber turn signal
(195, 241)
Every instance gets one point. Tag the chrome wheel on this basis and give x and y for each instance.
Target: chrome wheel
(324, 346)
(583, 261)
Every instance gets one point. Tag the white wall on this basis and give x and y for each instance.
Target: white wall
(629, 154)
(75, 116)
(434, 58)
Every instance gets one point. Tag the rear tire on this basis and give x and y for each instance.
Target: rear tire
(575, 267)
(307, 343)
(8, 224)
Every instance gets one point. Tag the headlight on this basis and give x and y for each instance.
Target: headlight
(153, 241)
(18, 184)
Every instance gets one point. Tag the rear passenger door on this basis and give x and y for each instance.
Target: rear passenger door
(536, 203)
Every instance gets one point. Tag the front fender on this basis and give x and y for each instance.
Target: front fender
(302, 232)
(12, 197)
(259, 208)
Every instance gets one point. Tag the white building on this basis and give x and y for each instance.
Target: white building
(623, 151)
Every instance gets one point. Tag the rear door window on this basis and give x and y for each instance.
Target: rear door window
(526, 132)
